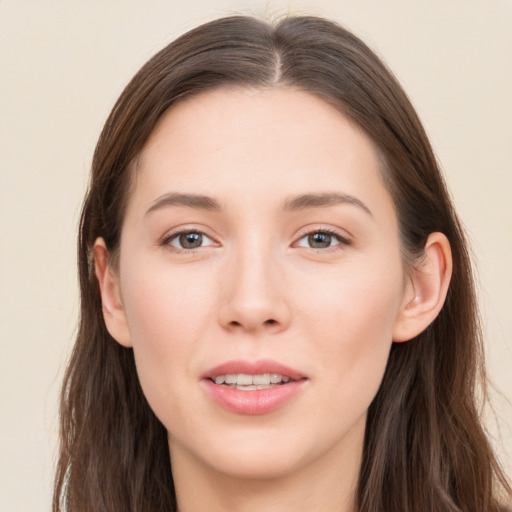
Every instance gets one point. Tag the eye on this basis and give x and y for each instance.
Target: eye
(322, 239)
(188, 240)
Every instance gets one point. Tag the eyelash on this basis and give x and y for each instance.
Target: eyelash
(166, 241)
(342, 241)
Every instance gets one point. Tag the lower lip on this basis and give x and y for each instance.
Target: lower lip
(258, 401)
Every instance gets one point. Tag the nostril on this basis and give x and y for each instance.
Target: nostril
(249, 325)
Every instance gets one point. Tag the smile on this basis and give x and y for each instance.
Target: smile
(253, 387)
(246, 382)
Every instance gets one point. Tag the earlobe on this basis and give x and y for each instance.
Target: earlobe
(108, 280)
(426, 290)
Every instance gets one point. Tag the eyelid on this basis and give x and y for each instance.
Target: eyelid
(173, 234)
(343, 239)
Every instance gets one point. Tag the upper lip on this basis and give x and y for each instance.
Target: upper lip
(256, 367)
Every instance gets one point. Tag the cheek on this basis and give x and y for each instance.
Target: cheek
(164, 305)
(168, 314)
(352, 324)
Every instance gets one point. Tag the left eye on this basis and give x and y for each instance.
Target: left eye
(189, 240)
(320, 240)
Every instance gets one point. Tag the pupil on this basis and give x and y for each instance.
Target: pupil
(191, 240)
(319, 240)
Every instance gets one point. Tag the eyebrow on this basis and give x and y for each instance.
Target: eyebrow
(195, 201)
(296, 203)
(305, 201)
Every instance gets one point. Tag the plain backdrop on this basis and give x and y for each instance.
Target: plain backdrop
(63, 64)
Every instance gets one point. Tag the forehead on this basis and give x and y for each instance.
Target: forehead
(252, 143)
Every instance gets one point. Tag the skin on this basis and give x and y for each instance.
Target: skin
(256, 288)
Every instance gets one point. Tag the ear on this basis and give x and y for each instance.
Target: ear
(426, 290)
(113, 310)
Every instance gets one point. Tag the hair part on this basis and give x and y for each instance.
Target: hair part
(425, 447)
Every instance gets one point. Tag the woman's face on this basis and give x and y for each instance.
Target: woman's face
(259, 240)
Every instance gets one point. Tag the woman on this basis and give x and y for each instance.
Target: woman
(278, 308)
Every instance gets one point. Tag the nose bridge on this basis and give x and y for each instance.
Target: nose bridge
(254, 296)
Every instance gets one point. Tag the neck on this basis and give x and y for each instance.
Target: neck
(326, 484)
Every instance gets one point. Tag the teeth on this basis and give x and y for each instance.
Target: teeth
(250, 382)
(261, 379)
(244, 380)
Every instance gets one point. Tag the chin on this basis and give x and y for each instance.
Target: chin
(258, 462)
(268, 453)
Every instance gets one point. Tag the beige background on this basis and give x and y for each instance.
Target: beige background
(63, 63)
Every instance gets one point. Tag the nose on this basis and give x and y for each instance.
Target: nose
(254, 295)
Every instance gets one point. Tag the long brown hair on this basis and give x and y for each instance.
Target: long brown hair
(425, 448)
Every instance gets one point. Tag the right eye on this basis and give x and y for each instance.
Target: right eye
(188, 240)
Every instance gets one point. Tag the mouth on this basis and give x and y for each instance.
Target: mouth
(253, 387)
(247, 382)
